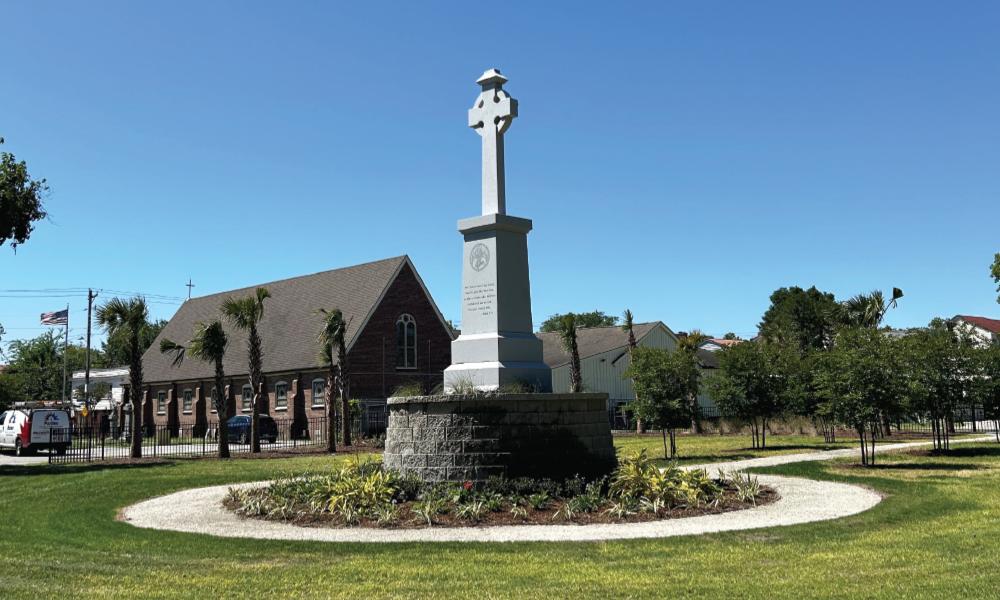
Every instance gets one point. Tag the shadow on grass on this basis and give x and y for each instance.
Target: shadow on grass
(46, 469)
(909, 466)
(967, 451)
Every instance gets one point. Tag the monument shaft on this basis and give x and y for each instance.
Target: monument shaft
(497, 346)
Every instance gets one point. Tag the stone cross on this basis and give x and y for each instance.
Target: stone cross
(490, 116)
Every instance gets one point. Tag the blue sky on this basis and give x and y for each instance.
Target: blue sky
(680, 159)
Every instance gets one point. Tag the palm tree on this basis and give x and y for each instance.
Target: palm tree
(333, 352)
(628, 327)
(567, 333)
(128, 318)
(868, 310)
(689, 343)
(208, 344)
(245, 313)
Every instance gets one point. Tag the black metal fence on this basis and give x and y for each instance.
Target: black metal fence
(967, 419)
(90, 444)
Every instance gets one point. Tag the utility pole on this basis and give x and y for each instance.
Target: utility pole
(91, 294)
(65, 353)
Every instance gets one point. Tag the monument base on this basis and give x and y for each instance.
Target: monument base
(534, 377)
(471, 437)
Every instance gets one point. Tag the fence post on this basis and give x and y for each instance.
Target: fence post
(50, 446)
(102, 445)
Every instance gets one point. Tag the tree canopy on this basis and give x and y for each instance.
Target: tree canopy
(753, 384)
(664, 382)
(20, 200)
(805, 319)
(115, 348)
(995, 272)
(587, 319)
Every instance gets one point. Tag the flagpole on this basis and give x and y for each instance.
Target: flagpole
(65, 352)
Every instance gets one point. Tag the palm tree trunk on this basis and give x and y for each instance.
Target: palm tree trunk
(331, 414)
(135, 376)
(256, 368)
(222, 409)
(343, 388)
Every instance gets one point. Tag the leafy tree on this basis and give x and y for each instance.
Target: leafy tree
(805, 319)
(245, 313)
(20, 200)
(127, 318)
(942, 372)
(663, 382)
(995, 272)
(567, 334)
(862, 380)
(730, 336)
(115, 349)
(588, 319)
(987, 385)
(35, 371)
(753, 384)
(333, 352)
(208, 344)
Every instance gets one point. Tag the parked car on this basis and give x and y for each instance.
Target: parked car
(27, 428)
(239, 429)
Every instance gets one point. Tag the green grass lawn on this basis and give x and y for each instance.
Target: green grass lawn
(936, 535)
(695, 449)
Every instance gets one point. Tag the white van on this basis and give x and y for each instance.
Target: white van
(25, 429)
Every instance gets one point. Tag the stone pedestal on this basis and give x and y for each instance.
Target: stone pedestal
(497, 346)
(458, 437)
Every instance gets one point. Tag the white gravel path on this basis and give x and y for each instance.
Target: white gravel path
(801, 501)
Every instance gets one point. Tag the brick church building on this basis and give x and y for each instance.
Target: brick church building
(396, 336)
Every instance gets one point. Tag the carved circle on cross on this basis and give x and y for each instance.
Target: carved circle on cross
(479, 257)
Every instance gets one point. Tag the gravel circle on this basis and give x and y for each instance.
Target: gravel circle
(802, 501)
(200, 510)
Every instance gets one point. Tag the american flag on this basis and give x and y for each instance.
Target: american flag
(60, 317)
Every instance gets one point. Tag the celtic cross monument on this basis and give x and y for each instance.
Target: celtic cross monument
(497, 346)
(520, 428)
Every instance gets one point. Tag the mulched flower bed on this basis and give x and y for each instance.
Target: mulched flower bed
(550, 515)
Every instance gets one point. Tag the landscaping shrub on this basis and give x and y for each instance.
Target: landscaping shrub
(366, 493)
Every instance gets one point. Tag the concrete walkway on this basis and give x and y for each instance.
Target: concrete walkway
(801, 501)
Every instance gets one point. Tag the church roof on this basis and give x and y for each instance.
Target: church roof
(590, 341)
(290, 324)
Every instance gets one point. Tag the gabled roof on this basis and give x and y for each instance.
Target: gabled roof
(290, 324)
(590, 341)
(991, 325)
(721, 342)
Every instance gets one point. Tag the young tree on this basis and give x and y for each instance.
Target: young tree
(20, 200)
(987, 385)
(245, 314)
(567, 333)
(208, 344)
(941, 366)
(333, 353)
(663, 382)
(688, 345)
(127, 318)
(753, 385)
(588, 319)
(862, 381)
